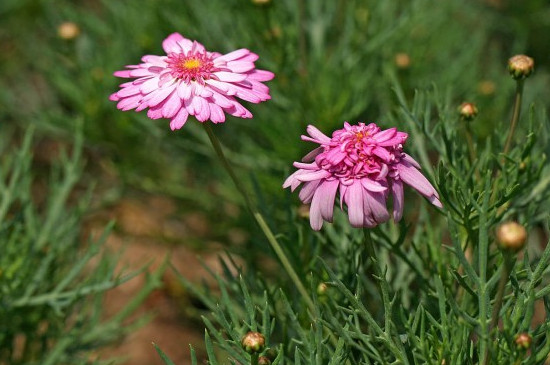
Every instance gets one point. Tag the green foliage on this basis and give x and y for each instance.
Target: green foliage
(423, 291)
(51, 280)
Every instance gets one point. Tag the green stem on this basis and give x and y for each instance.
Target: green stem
(385, 295)
(507, 269)
(483, 260)
(515, 115)
(504, 276)
(382, 283)
(470, 142)
(258, 217)
(254, 359)
(471, 149)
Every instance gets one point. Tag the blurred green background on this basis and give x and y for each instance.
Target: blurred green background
(334, 61)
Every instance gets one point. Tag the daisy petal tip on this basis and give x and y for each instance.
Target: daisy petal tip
(435, 201)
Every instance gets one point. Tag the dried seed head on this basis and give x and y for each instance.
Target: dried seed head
(511, 236)
(523, 341)
(467, 111)
(263, 360)
(68, 30)
(253, 342)
(521, 66)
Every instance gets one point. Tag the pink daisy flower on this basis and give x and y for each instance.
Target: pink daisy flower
(365, 164)
(189, 80)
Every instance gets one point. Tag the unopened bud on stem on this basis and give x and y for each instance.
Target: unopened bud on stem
(68, 30)
(468, 111)
(263, 360)
(253, 342)
(521, 66)
(523, 341)
(511, 236)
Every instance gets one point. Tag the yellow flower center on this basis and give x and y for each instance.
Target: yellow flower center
(191, 64)
(360, 135)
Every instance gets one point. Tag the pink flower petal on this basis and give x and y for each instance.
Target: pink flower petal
(315, 175)
(308, 190)
(398, 198)
(129, 103)
(377, 205)
(326, 193)
(384, 135)
(317, 134)
(411, 161)
(229, 76)
(240, 66)
(170, 44)
(305, 166)
(184, 90)
(179, 120)
(123, 73)
(158, 96)
(233, 55)
(411, 176)
(261, 75)
(311, 156)
(354, 201)
(171, 106)
(216, 113)
(372, 185)
(154, 113)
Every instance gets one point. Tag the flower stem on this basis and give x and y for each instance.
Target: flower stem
(470, 142)
(254, 359)
(384, 288)
(504, 276)
(258, 217)
(515, 114)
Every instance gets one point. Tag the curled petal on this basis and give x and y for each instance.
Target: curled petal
(398, 198)
(354, 201)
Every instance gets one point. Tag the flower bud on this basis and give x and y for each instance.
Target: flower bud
(263, 360)
(271, 353)
(523, 341)
(521, 66)
(511, 236)
(402, 60)
(68, 30)
(322, 288)
(486, 87)
(253, 342)
(467, 111)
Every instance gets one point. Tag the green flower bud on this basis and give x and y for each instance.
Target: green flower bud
(467, 111)
(322, 288)
(511, 236)
(523, 341)
(263, 360)
(68, 30)
(521, 66)
(253, 342)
